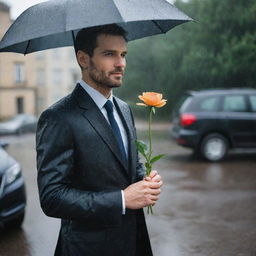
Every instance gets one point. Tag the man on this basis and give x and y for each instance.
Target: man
(89, 174)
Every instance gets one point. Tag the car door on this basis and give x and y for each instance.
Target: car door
(252, 102)
(238, 121)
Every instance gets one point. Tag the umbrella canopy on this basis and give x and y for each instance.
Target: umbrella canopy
(55, 23)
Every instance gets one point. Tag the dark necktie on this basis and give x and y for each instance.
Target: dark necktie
(109, 107)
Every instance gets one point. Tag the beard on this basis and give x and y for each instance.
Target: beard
(102, 78)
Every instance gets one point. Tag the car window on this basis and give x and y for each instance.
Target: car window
(209, 104)
(234, 103)
(204, 104)
(185, 103)
(253, 102)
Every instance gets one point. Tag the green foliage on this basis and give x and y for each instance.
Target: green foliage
(142, 148)
(217, 50)
(156, 158)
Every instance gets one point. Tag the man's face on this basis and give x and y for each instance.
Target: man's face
(106, 66)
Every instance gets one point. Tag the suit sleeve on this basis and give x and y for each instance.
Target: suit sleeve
(55, 164)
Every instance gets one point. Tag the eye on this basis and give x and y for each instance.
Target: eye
(108, 54)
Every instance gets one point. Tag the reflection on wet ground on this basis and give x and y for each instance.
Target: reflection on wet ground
(205, 209)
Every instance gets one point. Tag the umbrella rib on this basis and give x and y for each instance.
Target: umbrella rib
(73, 36)
(158, 26)
(27, 47)
(118, 11)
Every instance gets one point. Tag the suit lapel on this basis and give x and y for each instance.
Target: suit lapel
(97, 120)
(124, 113)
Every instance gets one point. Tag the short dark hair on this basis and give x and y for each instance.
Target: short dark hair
(86, 38)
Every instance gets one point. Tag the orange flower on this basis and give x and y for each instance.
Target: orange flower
(152, 99)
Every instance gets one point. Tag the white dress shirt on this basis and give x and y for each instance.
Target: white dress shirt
(100, 101)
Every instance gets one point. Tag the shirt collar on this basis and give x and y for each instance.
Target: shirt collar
(97, 97)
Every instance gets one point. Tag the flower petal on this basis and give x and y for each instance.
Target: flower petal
(152, 99)
(159, 96)
(141, 104)
(141, 98)
(161, 104)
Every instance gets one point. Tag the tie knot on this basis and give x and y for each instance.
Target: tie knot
(109, 106)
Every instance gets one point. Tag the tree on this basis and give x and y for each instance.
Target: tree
(217, 50)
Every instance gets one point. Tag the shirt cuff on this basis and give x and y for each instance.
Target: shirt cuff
(123, 202)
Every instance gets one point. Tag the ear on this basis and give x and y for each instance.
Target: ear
(83, 59)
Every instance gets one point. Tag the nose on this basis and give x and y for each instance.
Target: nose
(120, 62)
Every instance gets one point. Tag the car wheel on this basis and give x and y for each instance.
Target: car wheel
(15, 223)
(214, 147)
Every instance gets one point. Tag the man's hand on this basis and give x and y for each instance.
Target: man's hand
(153, 176)
(143, 193)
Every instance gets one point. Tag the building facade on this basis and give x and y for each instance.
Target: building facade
(29, 84)
(56, 73)
(17, 93)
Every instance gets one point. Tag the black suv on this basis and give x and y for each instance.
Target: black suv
(213, 121)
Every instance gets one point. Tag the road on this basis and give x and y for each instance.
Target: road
(205, 209)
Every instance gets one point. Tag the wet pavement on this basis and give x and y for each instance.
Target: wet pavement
(205, 209)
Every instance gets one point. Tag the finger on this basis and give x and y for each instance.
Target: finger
(160, 183)
(157, 178)
(153, 203)
(154, 198)
(155, 185)
(147, 178)
(155, 192)
(153, 173)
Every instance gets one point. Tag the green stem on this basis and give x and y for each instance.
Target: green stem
(149, 132)
(148, 169)
(150, 209)
(150, 139)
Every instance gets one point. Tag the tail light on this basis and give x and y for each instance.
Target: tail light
(187, 119)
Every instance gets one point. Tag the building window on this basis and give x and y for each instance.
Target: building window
(57, 76)
(74, 77)
(41, 104)
(20, 105)
(19, 73)
(40, 76)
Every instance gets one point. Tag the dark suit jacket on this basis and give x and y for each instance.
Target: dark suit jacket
(80, 175)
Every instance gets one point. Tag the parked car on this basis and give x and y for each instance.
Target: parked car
(19, 124)
(12, 191)
(213, 121)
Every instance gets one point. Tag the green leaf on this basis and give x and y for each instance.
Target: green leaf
(154, 110)
(142, 147)
(148, 165)
(156, 158)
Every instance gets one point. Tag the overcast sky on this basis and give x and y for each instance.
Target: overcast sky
(18, 6)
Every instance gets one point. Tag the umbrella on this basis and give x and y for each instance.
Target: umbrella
(55, 23)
